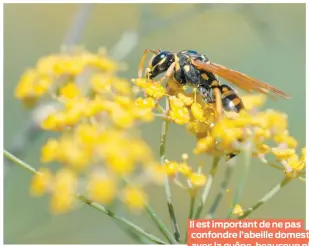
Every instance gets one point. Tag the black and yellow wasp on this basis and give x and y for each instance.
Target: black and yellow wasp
(192, 68)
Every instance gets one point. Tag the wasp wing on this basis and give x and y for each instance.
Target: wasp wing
(239, 79)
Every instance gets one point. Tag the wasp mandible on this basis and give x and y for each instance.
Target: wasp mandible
(192, 68)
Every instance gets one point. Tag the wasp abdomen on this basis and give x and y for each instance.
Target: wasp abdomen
(230, 99)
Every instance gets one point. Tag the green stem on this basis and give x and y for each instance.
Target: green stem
(191, 211)
(192, 203)
(167, 187)
(282, 169)
(161, 225)
(136, 237)
(266, 197)
(95, 205)
(19, 162)
(120, 219)
(221, 193)
(207, 187)
(242, 176)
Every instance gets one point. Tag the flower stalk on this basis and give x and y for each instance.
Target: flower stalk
(226, 179)
(160, 225)
(95, 205)
(247, 153)
(266, 197)
(207, 187)
(167, 187)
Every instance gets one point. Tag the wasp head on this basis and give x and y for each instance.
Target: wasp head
(160, 63)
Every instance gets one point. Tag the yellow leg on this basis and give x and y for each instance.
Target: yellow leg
(169, 72)
(218, 102)
(142, 61)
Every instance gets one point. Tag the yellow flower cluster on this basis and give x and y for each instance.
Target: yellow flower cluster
(52, 71)
(95, 115)
(193, 179)
(267, 131)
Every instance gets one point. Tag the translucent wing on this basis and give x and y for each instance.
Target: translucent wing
(239, 79)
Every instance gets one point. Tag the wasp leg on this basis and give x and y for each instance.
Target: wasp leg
(169, 72)
(215, 86)
(218, 101)
(142, 61)
(231, 102)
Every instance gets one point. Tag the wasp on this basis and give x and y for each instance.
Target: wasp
(188, 67)
(192, 68)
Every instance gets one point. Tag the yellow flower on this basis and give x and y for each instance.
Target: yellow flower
(70, 91)
(277, 121)
(206, 144)
(122, 118)
(122, 86)
(187, 100)
(253, 101)
(197, 179)
(49, 151)
(145, 103)
(95, 106)
(143, 108)
(101, 83)
(140, 82)
(184, 169)
(237, 210)
(227, 134)
(47, 64)
(176, 103)
(86, 133)
(73, 153)
(155, 90)
(41, 182)
(70, 65)
(102, 188)
(61, 201)
(104, 64)
(25, 86)
(179, 115)
(200, 129)
(65, 180)
(283, 154)
(42, 85)
(118, 156)
(63, 195)
(262, 149)
(261, 134)
(171, 168)
(198, 112)
(296, 163)
(284, 138)
(134, 198)
(140, 151)
(124, 101)
(54, 121)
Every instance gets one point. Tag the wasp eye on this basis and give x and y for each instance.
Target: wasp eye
(159, 59)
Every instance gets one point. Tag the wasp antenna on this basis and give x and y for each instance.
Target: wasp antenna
(142, 61)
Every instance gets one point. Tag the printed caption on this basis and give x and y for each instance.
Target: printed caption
(247, 233)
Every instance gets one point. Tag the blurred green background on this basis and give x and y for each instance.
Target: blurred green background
(266, 41)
